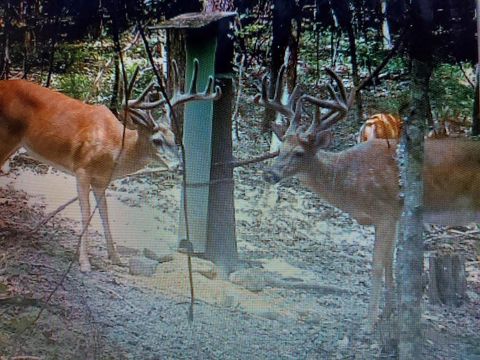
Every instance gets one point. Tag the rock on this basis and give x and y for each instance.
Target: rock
(127, 251)
(142, 266)
(263, 312)
(152, 255)
(251, 279)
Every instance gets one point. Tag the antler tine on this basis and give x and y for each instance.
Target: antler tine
(138, 101)
(176, 77)
(338, 107)
(143, 118)
(348, 100)
(295, 120)
(132, 82)
(318, 120)
(327, 104)
(329, 120)
(277, 96)
(193, 83)
(339, 83)
(275, 103)
(210, 92)
(296, 94)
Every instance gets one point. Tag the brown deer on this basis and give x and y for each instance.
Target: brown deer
(88, 141)
(388, 126)
(363, 180)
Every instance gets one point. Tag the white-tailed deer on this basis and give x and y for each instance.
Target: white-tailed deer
(88, 141)
(363, 180)
(388, 126)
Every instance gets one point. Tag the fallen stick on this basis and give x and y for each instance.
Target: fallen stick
(52, 214)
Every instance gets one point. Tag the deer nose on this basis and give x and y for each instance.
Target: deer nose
(271, 176)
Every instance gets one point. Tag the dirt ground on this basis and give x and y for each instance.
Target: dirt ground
(302, 295)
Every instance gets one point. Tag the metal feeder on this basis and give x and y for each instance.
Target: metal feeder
(207, 137)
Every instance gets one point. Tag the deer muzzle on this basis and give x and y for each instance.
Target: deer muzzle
(271, 176)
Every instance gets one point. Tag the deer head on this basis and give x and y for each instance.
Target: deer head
(299, 143)
(159, 137)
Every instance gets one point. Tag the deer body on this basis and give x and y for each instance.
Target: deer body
(363, 180)
(88, 141)
(68, 134)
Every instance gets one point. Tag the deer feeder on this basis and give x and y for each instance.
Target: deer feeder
(207, 137)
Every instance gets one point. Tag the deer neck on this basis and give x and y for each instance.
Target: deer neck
(137, 153)
(329, 177)
(353, 183)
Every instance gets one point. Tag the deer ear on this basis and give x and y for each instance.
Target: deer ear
(323, 139)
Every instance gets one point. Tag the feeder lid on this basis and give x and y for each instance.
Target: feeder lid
(194, 20)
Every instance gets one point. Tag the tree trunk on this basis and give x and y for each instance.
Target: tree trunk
(283, 14)
(476, 103)
(410, 245)
(355, 73)
(6, 52)
(411, 155)
(53, 38)
(116, 82)
(344, 16)
(447, 279)
(387, 40)
(176, 51)
(293, 45)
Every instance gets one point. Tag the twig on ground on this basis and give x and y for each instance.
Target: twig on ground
(52, 214)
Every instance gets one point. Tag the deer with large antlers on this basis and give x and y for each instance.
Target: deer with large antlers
(88, 141)
(363, 180)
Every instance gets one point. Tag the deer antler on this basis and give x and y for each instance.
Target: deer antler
(139, 109)
(337, 108)
(288, 110)
(179, 97)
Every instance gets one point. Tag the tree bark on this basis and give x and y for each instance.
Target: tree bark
(411, 156)
(176, 51)
(447, 279)
(410, 245)
(283, 14)
(6, 52)
(344, 16)
(476, 103)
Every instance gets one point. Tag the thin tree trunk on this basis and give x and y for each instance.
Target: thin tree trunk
(387, 39)
(6, 52)
(411, 156)
(116, 82)
(176, 51)
(53, 37)
(293, 44)
(355, 72)
(476, 104)
(283, 14)
(410, 245)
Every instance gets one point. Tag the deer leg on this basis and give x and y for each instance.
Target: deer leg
(388, 264)
(99, 192)
(83, 189)
(382, 265)
(7, 148)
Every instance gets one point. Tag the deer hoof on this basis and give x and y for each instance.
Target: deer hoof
(85, 266)
(115, 259)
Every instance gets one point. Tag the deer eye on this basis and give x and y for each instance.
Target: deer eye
(157, 141)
